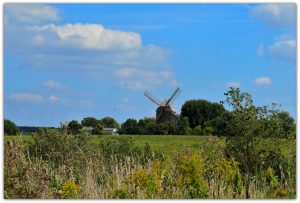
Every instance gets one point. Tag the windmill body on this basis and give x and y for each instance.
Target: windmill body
(164, 112)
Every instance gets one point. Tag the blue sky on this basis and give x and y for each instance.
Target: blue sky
(70, 61)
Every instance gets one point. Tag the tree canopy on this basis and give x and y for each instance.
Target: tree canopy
(89, 121)
(200, 111)
(10, 128)
(74, 127)
(109, 122)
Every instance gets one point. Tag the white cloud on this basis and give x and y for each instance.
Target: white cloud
(263, 81)
(276, 15)
(125, 72)
(53, 84)
(26, 97)
(53, 98)
(147, 77)
(92, 36)
(233, 84)
(92, 51)
(29, 13)
(284, 49)
(260, 50)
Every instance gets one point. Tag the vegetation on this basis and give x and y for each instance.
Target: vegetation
(10, 128)
(200, 111)
(110, 167)
(253, 156)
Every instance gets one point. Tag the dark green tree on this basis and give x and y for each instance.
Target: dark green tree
(89, 121)
(147, 126)
(10, 128)
(162, 128)
(200, 111)
(183, 126)
(287, 122)
(74, 127)
(219, 123)
(98, 129)
(130, 126)
(109, 122)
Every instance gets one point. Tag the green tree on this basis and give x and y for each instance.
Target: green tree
(197, 130)
(162, 128)
(287, 122)
(130, 126)
(200, 111)
(98, 129)
(247, 123)
(89, 121)
(183, 126)
(74, 127)
(147, 126)
(219, 123)
(109, 122)
(10, 128)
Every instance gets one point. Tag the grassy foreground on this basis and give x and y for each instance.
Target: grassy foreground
(53, 165)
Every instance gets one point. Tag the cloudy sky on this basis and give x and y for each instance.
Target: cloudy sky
(70, 61)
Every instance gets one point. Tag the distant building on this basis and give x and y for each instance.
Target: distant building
(111, 131)
(106, 131)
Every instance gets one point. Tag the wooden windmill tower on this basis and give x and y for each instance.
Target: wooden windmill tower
(165, 111)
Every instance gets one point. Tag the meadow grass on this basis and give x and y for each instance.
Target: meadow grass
(124, 166)
(168, 144)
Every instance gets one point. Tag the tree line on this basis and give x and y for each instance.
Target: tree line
(197, 117)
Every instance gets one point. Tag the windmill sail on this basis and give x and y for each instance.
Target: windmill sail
(173, 95)
(152, 98)
(164, 112)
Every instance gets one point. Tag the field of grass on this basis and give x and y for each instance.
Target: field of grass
(54, 165)
(169, 144)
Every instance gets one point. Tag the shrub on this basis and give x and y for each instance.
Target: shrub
(189, 169)
(230, 175)
(50, 145)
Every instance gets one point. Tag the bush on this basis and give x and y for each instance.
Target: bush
(59, 149)
(189, 169)
(197, 130)
(98, 129)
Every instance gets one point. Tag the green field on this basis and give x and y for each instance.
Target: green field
(169, 144)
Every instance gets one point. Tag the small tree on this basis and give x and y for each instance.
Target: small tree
(74, 127)
(130, 126)
(246, 124)
(10, 128)
(287, 122)
(98, 129)
(183, 126)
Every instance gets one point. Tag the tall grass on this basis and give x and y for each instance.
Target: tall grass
(55, 165)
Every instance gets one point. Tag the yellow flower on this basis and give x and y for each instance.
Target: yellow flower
(70, 190)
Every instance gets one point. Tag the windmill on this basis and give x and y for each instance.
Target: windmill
(165, 111)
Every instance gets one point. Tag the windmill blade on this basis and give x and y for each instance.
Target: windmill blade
(173, 95)
(152, 98)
